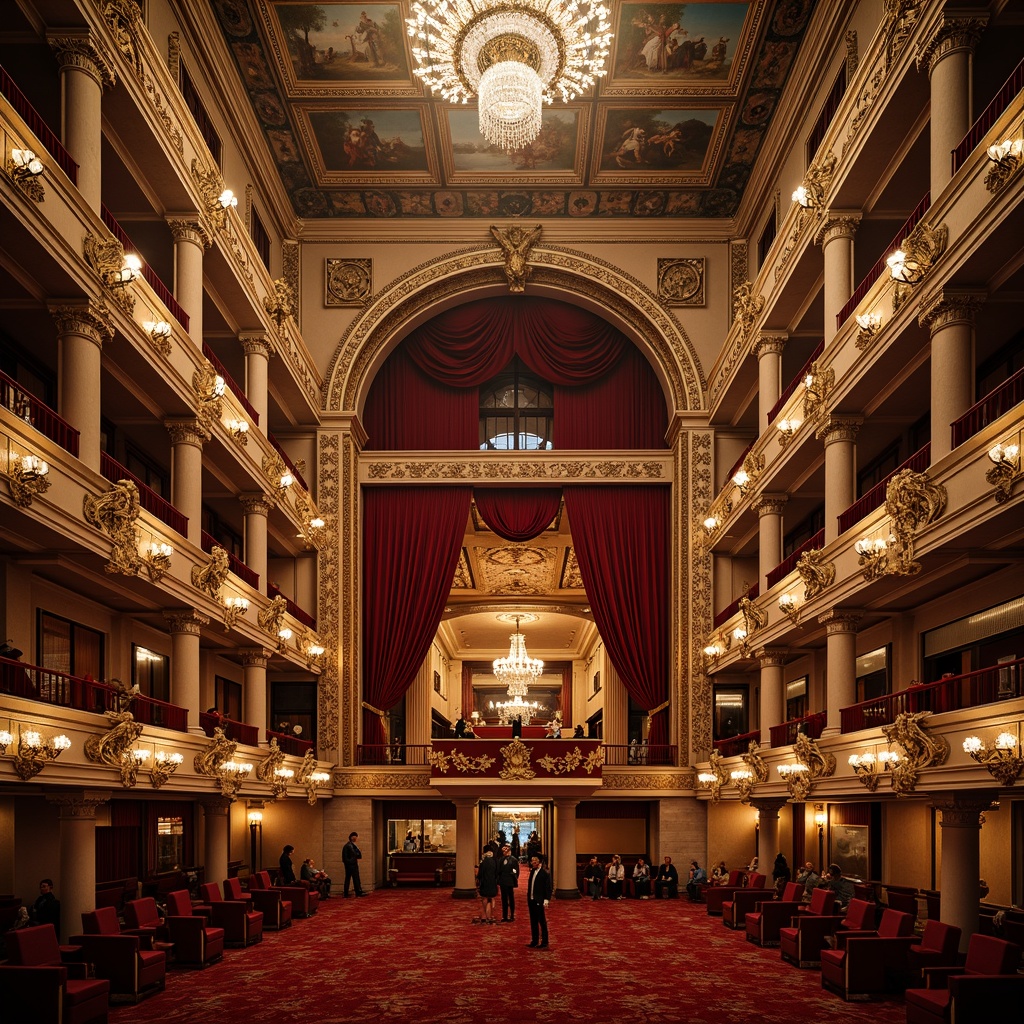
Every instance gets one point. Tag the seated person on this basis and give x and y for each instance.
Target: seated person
(808, 878)
(842, 887)
(697, 880)
(666, 885)
(46, 909)
(616, 878)
(720, 874)
(317, 879)
(642, 879)
(593, 876)
(409, 843)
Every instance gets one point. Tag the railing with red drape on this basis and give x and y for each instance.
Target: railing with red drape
(517, 513)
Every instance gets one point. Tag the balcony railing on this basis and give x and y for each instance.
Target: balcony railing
(239, 732)
(875, 498)
(788, 564)
(83, 694)
(163, 293)
(237, 566)
(290, 744)
(392, 753)
(828, 112)
(811, 725)
(795, 383)
(736, 745)
(739, 462)
(273, 590)
(148, 498)
(288, 462)
(989, 116)
(727, 613)
(236, 389)
(620, 754)
(970, 690)
(37, 125)
(989, 409)
(636, 754)
(27, 407)
(877, 270)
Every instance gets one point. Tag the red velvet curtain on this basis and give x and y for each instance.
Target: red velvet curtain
(621, 537)
(517, 513)
(411, 544)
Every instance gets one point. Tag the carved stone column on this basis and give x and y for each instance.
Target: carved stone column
(773, 690)
(768, 351)
(950, 320)
(840, 470)
(564, 867)
(258, 350)
(187, 439)
(216, 818)
(185, 627)
(257, 508)
(960, 831)
(840, 664)
(191, 240)
(81, 332)
(467, 852)
(836, 239)
(947, 58)
(767, 831)
(77, 876)
(254, 689)
(769, 509)
(84, 73)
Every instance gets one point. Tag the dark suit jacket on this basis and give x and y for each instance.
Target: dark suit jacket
(538, 888)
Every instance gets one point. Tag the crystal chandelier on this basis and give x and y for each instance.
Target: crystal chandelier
(512, 55)
(518, 670)
(509, 710)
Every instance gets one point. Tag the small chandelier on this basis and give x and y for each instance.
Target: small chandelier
(513, 56)
(518, 670)
(509, 710)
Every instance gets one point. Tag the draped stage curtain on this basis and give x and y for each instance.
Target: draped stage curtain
(621, 537)
(517, 513)
(411, 542)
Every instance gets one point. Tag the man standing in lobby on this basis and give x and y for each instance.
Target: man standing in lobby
(538, 894)
(508, 879)
(351, 855)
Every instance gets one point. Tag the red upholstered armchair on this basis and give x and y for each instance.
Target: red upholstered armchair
(716, 895)
(986, 988)
(276, 911)
(133, 970)
(242, 925)
(734, 911)
(802, 943)
(36, 988)
(763, 923)
(304, 901)
(939, 946)
(143, 916)
(195, 943)
(864, 964)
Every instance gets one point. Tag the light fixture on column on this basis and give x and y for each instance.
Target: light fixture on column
(34, 753)
(26, 477)
(239, 431)
(234, 607)
(1006, 162)
(1005, 470)
(868, 325)
(255, 819)
(1002, 762)
(156, 558)
(789, 605)
(820, 820)
(164, 765)
(6, 739)
(786, 428)
(25, 168)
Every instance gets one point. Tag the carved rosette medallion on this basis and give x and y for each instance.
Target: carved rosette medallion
(347, 282)
(681, 281)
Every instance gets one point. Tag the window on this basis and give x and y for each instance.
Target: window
(151, 673)
(228, 699)
(730, 711)
(873, 674)
(764, 243)
(154, 476)
(516, 412)
(421, 835)
(195, 105)
(66, 646)
(796, 699)
(170, 843)
(260, 238)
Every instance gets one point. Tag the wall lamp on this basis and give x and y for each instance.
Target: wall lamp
(789, 605)
(868, 325)
(159, 332)
(26, 478)
(711, 524)
(25, 164)
(864, 766)
(234, 608)
(786, 429)
(131, 762)
(1002, 762)
(1005, 154)
(314, 655)
(34, 754)
(797, 777)
(874, 555)
(285, 481)
(130, 270)
(741, 478)
(903, 269)
(1005, 471)
(239, 431)
(227, 199)
(802, 197)
(163, 767)
(157, 560)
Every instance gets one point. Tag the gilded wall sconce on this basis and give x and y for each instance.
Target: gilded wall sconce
(789, 605)
(26, 477)
(786, 428)
(868, 325)
(156, 560)
(1006, 162)
(34, 754)
(1005, 470)
(1002, 762)
(234, 608)
(25, 169)
(159, 332)
(163, 767)
(239, 431)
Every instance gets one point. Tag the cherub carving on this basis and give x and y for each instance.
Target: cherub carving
(516, 244)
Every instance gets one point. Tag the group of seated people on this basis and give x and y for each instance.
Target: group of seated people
(609, 882)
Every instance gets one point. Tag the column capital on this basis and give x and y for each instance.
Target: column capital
(840, 620)
(962, 810)
(769, 504)
(767, 808)
(464, 803)
(187, 227)
(769, 344)
(75, 49)
(186, 620)
(566, 803)
(948, 308)
(837, 224)
(79, 803)
(255, 657)
(215, 806)
(256, 504)
(771, 657)
(952, 35)
(257, 343)
(90, 320)
(187, 431)
(840, 428)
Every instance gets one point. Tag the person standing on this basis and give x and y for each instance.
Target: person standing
(508, 879)
(538, 895)
(286, 870)
(46, 909)
(351, 855)
(533, 846)
(517, 848)
(487, 883)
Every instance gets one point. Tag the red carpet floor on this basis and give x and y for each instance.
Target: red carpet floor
(414, 956)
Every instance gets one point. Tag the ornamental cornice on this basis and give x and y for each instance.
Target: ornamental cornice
(952, 35)
(186, 620)
(91, 320)
(840, 621)
(840, 428)
(837, 225)
(768, 344)
(259, 344)
(256, 504)
(649, 780)
(215, 806)
(381, 780)
(769, 504)
(74, 50)
(771, 657)
(187, 431)
(950, 308)
(254, 657)
(189, 228)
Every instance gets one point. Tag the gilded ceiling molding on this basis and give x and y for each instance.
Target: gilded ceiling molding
(919, 749)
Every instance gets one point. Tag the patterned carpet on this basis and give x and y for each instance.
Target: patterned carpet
(415, 956)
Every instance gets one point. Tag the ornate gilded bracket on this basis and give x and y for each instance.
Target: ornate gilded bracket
(115, 514)
(571, 761)
(819, 383)
(26, 477)
(753, 620)
(715, 777)
(216, 199)
(114, 748)
(216, 761)
(747, 306)
(314, 525)
(25, 169)
(163, 767)
(515, 243)
(754, 774)
(1006, 164)
(156, 560)
(208, 387)
(210, 577)
(920, 750)
(280, 305)
(311, 777)
(1005, 470)
(271, 618)
(817, 573)
(815, 186)
(277, 475)
(113, 267)
(911, 263)
(272, 771)
(747, 474)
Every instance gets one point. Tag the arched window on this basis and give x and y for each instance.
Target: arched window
(516, 411)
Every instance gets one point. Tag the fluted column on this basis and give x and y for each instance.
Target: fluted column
(85, 72)
(768, 351)
(564, 867)
(81, 332)
(187, 439)
(76, 882)
(191, 240)
(840, 440)
(467, 853)
(615, 714)
(185, 627)
(254, 688)
(950, 320)
(773, 690)
(417, 711)
(836, 239)
(947, 58)
(840, 664)
(767, 831)
(960, 832)
(258, 350)
(769, 508)
(257, 508)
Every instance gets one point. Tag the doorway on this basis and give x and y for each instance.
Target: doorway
(518, 820)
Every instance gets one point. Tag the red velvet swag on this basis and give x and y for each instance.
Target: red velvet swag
(411, 544)
(621, 537)
(517, 513)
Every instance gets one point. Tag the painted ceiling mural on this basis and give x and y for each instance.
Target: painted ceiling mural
(673, 130)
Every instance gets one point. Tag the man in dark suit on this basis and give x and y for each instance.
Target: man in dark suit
(351, 855)
(508, 879)
(538, 894)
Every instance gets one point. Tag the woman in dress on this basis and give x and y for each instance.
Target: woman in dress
(487, 882)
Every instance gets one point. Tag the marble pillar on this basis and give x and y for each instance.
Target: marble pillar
(836, 239)
(191, 240)
(840, 440)
(77, 878)
(258, 350)
(216, 819)
(563, 872)
(768, 351)
(467, 850)
(841, 664)
(257, 508)
(769, 508)
(185, 627)
(254, 689)
(773, 690)
(187, 439)
(960, 836)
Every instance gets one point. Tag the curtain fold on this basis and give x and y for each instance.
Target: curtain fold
(621, 537)
(517, 513)
(411, 543)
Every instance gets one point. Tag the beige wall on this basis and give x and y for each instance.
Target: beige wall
(627, 837)
(906, 843)
(996, 844)
(731, 834)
